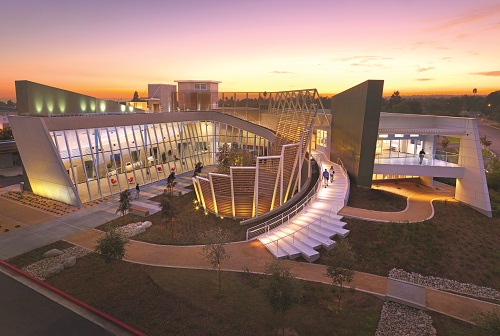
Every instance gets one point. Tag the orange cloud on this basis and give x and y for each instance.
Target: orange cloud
(487, 73)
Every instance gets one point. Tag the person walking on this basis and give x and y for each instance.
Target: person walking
(332, 171)
(326, 177)
(421, 156)
(137, 191)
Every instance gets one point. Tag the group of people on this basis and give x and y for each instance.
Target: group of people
(328, 176)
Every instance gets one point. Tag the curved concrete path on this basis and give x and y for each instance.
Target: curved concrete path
(419, 203)
(254, 257)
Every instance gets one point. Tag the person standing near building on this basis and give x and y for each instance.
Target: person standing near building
(137, 191)
(421, 156)
(326, 176)
(332, 171)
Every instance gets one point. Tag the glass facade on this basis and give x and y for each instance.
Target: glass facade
(105, 161)
(398, 145)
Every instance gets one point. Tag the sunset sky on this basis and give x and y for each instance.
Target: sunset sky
(111, 48)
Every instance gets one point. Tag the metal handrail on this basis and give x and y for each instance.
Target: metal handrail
(290, 213)
(328, 213)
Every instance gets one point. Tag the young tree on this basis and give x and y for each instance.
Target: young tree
(282, 289)
(485, 142)
(124, 202)
(340, 262)
(111, 247)
(214, 249)
(168, 211)
(444, 143)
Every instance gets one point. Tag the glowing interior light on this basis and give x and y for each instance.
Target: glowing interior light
(50, 105)
(123, 108)
(130, 108)
(92, 105)
(62, 104)
(102, 105)
(38, 104)
(83, 105)
(414, 135)
(399, 135)
(383, 136)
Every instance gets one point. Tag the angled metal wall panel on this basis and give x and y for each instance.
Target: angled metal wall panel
(268, 172)
(290, 169)
(221, 185)
(206, 191)
(355, 119)
(42, 163)
(243, 187)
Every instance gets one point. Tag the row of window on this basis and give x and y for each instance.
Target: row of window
(105, 161)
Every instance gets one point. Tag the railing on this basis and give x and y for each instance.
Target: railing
(439, 159)
(286, 215)
(348, 184)
(319, 221)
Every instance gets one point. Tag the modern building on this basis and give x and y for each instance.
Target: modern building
(93, 148)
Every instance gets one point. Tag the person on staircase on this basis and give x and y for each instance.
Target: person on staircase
(326, 177)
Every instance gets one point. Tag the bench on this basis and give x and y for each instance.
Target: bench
(139, 211)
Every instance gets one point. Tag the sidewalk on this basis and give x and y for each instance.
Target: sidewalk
(419, 203)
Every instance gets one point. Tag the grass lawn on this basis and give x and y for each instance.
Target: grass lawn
(457, 243)
(185, 228)
(166, 301)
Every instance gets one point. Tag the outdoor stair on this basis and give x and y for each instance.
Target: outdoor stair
(313, 228)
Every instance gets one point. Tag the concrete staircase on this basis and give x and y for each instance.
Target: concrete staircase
(314, 227)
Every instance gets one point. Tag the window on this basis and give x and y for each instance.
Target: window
(321, 138)
(200, 86)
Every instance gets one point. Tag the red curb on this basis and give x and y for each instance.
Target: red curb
(72, 299)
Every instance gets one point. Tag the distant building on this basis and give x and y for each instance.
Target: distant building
(197, 95)
(161, 98)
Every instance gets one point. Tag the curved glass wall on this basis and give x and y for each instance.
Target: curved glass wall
(105, 161)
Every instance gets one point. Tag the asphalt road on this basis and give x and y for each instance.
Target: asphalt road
(491, 133)
(25, 312)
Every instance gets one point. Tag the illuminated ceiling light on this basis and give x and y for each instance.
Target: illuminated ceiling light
(383, 136)
(414, 135)
(399, 135)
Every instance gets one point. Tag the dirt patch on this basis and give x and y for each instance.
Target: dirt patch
(185, 228)
(376, 199)
(166, 301)
(458, 243)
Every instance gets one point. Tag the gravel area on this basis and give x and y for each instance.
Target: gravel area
(42, 269)
(400, 320)
(133, 229)
(445, 284)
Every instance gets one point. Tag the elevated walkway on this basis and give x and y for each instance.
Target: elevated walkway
(316, 225)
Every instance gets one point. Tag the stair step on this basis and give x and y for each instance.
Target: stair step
(324, 240)
(308, 240)
(307, 251)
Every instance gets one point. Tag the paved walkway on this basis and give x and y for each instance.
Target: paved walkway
(419, 203)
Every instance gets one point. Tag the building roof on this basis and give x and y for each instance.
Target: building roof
(196, 81)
